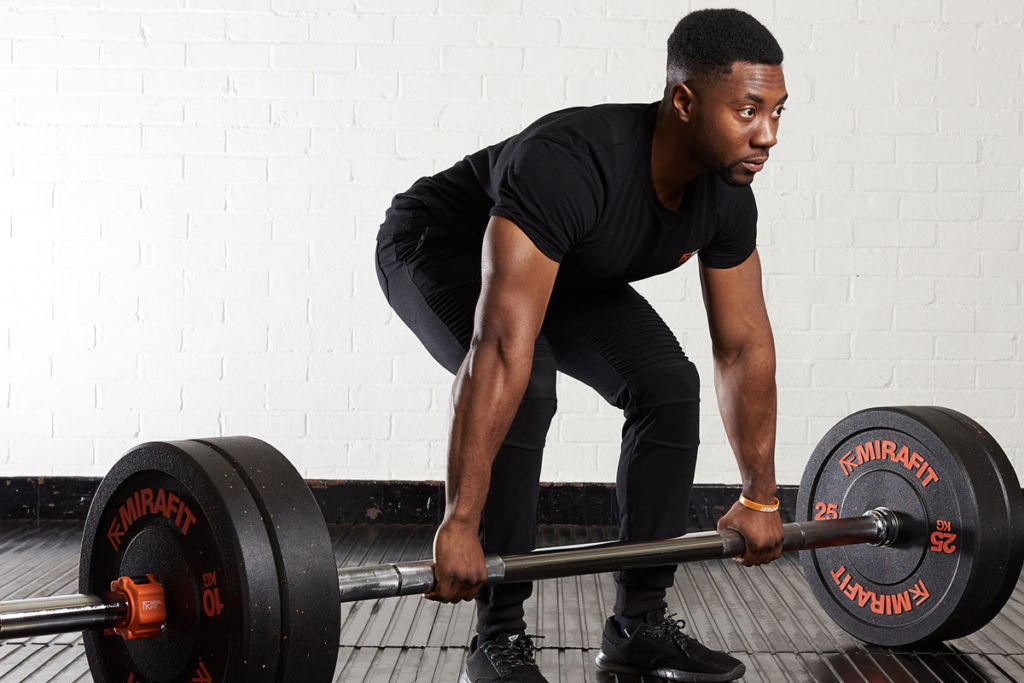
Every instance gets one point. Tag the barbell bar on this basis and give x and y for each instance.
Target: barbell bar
(878, 526)
(69, 613)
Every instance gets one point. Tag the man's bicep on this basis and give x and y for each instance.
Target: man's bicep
(517, 279)
(735, 304)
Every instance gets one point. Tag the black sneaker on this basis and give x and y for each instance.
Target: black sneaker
(509, 657)
(659, 648)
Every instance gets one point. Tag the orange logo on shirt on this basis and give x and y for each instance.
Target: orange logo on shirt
(686, 257)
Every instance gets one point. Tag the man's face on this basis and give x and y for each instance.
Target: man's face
(738, 119)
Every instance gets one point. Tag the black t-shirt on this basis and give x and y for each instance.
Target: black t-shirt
(578, 183)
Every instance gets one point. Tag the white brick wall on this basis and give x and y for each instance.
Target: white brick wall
(189, 194)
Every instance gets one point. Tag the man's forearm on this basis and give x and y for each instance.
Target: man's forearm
(745, 384)
(487, 391)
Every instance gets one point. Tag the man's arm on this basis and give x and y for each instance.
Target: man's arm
(516, 285)
(744, 353)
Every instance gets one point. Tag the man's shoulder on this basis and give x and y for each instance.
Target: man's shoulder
(594, 127)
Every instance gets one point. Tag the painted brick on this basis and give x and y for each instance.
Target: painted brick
(227, 56)
(222, 395)
(267, 425)
(141, 168)
(179, 367)
(208, 113)
(310, 113)
(895, 177)
(180, 310)
(26, 423)
(937, 92)
(235, 282)
(937, 37)
(142, 54)
(267, 198)
(363, 29)
(270, 367)
(167, 197)
(156, 338)
(95, 423)
(313, 56)
(29, 81)
(178, 139)
(55, 52)
(978, 178)
(48, 395)
(456, 7)
(234, 338)
(181, 26)
(308, 397)
(184, 82)
(966, 66)
(572, 61)
(976, 121)
(261, 28)
(272, 84)
(223, 170)
(260, 140)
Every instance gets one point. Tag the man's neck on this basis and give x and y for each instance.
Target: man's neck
(671, 165)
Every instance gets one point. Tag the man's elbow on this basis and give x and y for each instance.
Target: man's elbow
(757, 350)
(509, 351)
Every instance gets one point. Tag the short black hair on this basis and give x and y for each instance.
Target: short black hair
(706, 43)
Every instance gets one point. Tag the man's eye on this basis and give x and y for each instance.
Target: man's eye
(778, 112)
(747, 112)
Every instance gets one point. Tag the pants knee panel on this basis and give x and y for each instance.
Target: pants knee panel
(530, 426)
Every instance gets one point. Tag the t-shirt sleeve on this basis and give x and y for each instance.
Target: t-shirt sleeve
(550, 192)
(736, 231)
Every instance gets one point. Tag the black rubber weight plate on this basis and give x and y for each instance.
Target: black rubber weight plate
(306, 568)
(179, 510)
(961, 547)
(1003, 481)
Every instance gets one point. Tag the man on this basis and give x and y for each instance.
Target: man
(515, 263)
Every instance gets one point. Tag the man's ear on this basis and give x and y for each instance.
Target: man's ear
(684, 101)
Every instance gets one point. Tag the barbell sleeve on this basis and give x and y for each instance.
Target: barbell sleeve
(59, 614)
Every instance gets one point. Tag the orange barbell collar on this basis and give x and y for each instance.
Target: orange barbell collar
(147, 607)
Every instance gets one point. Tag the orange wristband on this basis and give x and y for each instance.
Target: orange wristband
(760, 507)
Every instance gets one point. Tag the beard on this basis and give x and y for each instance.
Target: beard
(728, 174)
(706, 153)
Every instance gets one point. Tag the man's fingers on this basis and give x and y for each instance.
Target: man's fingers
(452, 590)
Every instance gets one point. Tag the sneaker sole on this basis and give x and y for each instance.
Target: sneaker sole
(605, 664)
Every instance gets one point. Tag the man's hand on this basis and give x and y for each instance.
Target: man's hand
(762, 533)
(459, 567)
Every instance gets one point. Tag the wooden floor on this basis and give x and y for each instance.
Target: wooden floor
(765, 616)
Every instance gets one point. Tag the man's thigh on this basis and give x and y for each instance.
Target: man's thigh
(613, 341)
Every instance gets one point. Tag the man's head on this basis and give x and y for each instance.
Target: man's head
(705, 44)
(726, 85)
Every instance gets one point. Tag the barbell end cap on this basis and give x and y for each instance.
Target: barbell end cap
(888, 524)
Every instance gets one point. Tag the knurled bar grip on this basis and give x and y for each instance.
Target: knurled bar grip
(879, 526)
(69, 613)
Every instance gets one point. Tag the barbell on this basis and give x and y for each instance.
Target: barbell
(209, 559)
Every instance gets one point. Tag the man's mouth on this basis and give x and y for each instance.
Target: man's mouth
(754, 165)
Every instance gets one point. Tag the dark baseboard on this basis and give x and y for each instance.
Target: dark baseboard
(388, 502)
